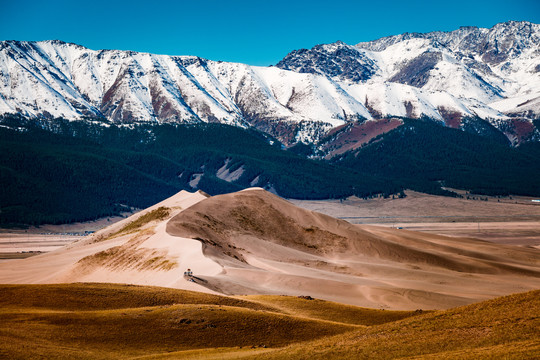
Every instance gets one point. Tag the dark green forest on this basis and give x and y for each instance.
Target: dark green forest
(61, 171)
(81, 171)
(424, 156)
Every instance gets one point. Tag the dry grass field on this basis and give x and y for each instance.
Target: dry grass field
(329, 311)
(418, 207)
(105, 321)
(502, 328)
(121, 321)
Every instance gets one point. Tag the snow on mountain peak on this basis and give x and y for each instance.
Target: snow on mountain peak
(491, 74)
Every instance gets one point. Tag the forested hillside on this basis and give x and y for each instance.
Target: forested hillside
(63, 171)
(424, 156)
(84, 171)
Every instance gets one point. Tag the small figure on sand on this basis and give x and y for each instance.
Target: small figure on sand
(188, 274)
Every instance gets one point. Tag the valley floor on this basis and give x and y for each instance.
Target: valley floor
(505, 220)
(23, 243)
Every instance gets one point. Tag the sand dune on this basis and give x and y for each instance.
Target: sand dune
(146, 255)
(267, 245)
(253, 242)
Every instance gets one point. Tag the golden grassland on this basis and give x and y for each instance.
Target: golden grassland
(118, 321)
(105, 321)
(503, 328)
(330, 311)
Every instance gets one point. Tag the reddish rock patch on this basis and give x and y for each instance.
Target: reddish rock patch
(452, 119)
(354, 135)
(519, 130)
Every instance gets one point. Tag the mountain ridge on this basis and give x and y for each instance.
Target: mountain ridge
(449, 77)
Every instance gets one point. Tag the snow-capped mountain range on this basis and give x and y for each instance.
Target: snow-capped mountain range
(490, 75)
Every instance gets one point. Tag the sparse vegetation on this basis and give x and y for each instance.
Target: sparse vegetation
(129, 255)
(160, 213)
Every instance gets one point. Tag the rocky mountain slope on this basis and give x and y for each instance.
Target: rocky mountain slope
(56, 79)
(487, 76)
(471, 73)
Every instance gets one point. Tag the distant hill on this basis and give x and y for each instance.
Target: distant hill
(505, 327)
(423, 156)
(84, 171)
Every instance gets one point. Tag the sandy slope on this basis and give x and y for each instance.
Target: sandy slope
(81, 261)
(273, 247)
(253, 242)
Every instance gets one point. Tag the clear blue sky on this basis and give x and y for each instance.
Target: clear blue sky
(257, 32)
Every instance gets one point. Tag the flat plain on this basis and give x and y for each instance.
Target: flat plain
(512, 220)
